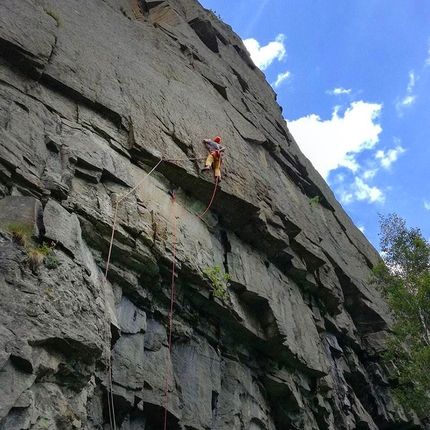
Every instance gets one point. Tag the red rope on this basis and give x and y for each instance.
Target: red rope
(172, 294)
(208, 206)
(172, 300)
(211, 201)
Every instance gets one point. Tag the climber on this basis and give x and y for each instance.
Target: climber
(215, 156)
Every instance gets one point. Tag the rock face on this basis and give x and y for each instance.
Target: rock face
(93, 95)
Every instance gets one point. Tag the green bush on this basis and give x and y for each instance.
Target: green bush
(219, 281)
(51, 262)
(404, 277)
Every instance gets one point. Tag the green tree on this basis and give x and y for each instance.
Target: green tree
(404, 275)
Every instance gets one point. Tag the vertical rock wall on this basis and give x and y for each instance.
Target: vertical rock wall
(93, 94)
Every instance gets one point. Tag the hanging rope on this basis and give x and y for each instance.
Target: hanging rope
(172, 294)
(110, 397)
(172, 300)
(211, 201)
(108, 362)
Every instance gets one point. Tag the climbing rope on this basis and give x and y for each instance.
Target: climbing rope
(172, 300)
(172, 293)
(108, 363)
(110, 397)
(211, 201)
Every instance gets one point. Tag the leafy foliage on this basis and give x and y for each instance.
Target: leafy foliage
(51, 262)
(404, 275)
(219, 281)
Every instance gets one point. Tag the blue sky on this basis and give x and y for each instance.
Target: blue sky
(353, 79)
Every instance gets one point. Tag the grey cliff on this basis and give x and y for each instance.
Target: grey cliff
(93, 94)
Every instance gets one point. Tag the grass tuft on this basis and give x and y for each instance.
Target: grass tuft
(35, 259)
(20, 234)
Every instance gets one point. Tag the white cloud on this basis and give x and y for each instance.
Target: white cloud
(281, 78)
(369, 174)
(364, 192)
(411, 83)
(263, 56)
(338, 91)
(410, 98)
(387, 158)
(336, 142)
(406, 101)
(361, 228)
(359, 190)
(427, 204)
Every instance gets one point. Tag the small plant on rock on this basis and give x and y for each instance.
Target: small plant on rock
(51, 262)
(37, 255)
(35, 259)
(45, 249)
(219, 281)
(20, 234)
(313, 203)
(214, 16)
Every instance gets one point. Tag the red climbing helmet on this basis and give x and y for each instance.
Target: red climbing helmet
(217, 139)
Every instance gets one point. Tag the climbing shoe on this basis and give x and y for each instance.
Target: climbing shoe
(205, 169)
